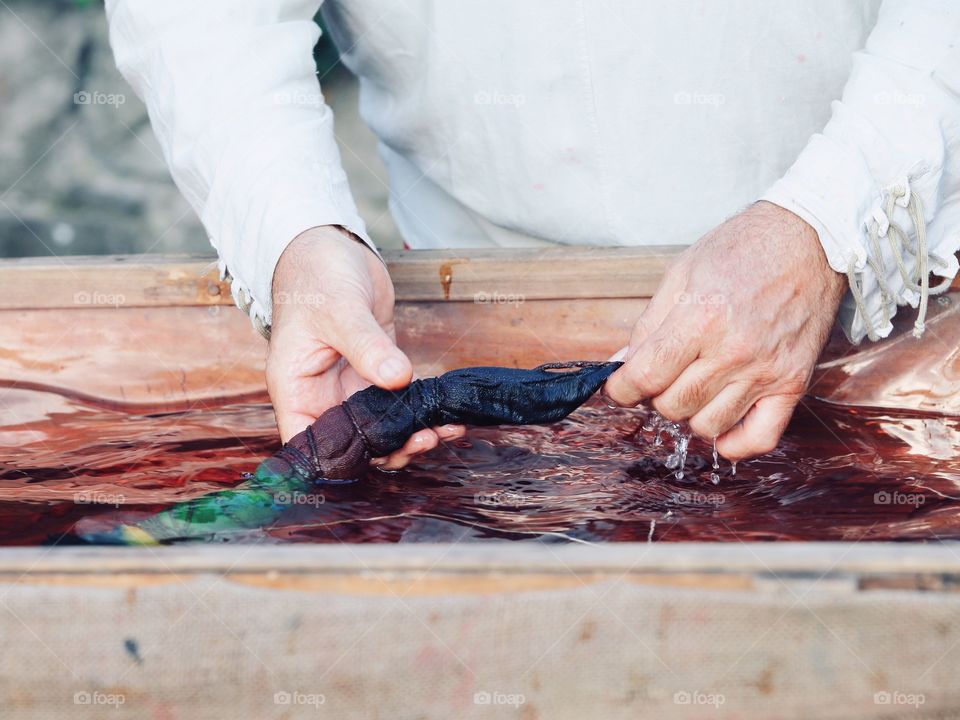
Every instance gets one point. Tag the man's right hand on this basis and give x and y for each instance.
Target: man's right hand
(333, 334)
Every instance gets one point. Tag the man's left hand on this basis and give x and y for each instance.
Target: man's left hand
(730, 339)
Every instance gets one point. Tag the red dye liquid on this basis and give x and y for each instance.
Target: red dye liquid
(839, 474)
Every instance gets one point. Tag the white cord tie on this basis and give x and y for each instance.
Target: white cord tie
(244, 300)
(881, 225)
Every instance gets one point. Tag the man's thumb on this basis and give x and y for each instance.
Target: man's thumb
(373, 353)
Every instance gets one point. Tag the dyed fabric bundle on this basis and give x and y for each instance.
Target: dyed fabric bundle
(373, 422)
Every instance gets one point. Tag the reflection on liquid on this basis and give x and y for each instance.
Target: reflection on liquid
(839, 474)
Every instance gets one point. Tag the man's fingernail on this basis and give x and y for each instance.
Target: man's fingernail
(378, 462)
(390, 368)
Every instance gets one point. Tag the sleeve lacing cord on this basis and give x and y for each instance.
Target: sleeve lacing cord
(244, 300)
(881, 225)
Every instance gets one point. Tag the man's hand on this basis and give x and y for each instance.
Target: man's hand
(730, 339)
(333, 334)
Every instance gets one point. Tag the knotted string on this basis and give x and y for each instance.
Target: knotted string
(880, 226)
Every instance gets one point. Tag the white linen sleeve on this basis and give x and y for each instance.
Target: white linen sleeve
(233, 97)
(881, 183)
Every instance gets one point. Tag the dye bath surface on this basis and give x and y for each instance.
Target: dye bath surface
(839, 474)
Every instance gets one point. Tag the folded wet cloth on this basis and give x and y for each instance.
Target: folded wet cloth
(371, 423)
(375, 422)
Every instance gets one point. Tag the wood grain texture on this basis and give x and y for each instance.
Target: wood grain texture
(214, 647)
(184, 356)
(479, 275)
(430, 275)
(112, 281)
(491, 275)
(134, 358)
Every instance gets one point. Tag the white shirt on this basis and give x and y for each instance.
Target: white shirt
(612, 122)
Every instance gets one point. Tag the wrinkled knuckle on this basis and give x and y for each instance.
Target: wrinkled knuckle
(619, 388)
(667, 408)
(739, 352)
(766, 374)
(692, 394)
(665, 350)
(369, 343)
(794, 384)
(640, 380)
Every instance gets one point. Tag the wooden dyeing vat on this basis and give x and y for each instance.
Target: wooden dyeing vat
(738, 630)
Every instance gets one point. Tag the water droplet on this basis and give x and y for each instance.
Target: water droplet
(681, 441)
(678, 457)
(733, 469)
(606, 400)
(714, 478)
(716, 465)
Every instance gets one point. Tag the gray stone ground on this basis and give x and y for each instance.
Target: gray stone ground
(83, 174)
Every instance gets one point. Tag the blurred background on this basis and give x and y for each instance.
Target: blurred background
(80, 170)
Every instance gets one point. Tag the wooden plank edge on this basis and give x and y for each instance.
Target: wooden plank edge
(482, 276)
(774, 559)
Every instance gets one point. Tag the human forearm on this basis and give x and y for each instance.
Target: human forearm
(890, 154)
(234, 101)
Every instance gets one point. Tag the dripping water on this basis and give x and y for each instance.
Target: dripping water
(714, 477)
